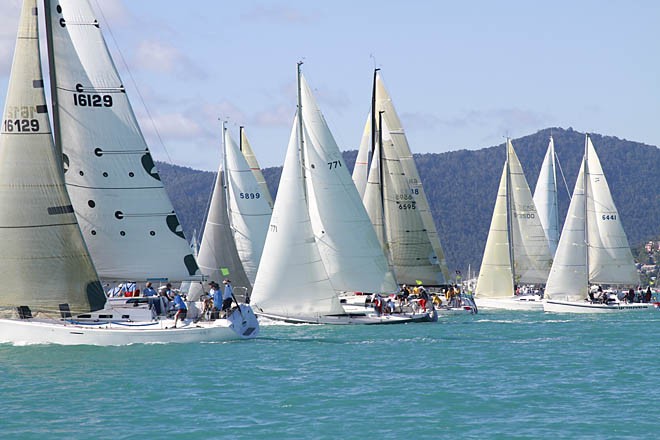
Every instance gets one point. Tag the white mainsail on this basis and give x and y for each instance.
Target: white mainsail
(251, 158)
(249, 207)
(593, 247)
(126, 217)
(545, 198)
(44, 261)
(431, 266)
(518, 247)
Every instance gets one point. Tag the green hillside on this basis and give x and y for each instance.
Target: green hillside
(462, 185)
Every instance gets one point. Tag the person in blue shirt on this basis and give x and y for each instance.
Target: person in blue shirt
(216, 294)
(148, 290)
(227, 296)
(181, 308)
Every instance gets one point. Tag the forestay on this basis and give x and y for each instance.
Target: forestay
(126, 217)
(44, 259)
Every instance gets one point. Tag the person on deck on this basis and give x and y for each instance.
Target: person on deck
(181, 309)
(227, 297)
(149, 290)
(648, 295)
(216, 295)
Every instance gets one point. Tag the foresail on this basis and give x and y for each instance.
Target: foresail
(350, 250)
(251, 159)
(496, 274)
(531, 254)
(292, 280)
(545, 198)
(44, 260)
(568, 276)
(126, 217)
(249, 207)
(218, 258)
(373, 203)
(361, 168)
(610, 258)
(391, 118)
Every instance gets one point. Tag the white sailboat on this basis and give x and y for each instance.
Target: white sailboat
(516, 249)
(320, 241)
(593, 247)
(545, 198)
(51, 291)
(395, 199)
(237, 221)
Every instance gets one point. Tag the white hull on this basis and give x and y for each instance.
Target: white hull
(358, 318)
(587, 307)
(53, 331)
(523, 302)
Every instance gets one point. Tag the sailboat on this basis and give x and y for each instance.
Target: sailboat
(65, 234)
(593, 248)
(394, 196)
(545, 198)
(516, 249)
(320, 241)
(237, 221)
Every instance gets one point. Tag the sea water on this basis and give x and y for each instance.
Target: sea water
(495, 375)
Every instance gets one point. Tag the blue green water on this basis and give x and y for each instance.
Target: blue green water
(497, 375)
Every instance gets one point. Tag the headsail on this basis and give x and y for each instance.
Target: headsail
(251, 159)
(44, 261)
(545, 198)
(126, 217)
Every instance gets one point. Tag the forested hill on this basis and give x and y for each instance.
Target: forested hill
(462, 185)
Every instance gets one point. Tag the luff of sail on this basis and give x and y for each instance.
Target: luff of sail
(44, 260)
(126, 217)
(383, 103)
(249, 207)
(361, 168)
(545, 198)
(350, 250)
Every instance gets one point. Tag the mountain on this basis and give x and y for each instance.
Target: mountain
(462, 185)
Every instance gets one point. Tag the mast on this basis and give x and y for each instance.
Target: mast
(53, 82)
(240, 138)
(509, 220)
(225, 179)
(380, 176)
(301, 140)
(373, 114)
(586, 214)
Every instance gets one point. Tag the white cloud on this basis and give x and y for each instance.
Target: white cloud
(8, 25)
(157, 56)
(281, 115)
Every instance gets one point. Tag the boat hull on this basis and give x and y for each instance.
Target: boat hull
(242, 325)
(525, 303)
(357, 319)
(556, 306)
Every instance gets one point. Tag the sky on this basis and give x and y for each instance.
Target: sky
(462, 75)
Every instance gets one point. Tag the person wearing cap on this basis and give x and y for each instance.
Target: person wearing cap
(227, 296)
(216, 294)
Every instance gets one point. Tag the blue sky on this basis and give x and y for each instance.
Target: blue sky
(462, 74)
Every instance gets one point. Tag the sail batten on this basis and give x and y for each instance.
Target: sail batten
(126, 216)
(44, 262)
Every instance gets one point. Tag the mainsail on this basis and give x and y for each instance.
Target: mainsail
(410, 235)
(44, 261)
(126, 217)
(248, 202)
(545, 198)
(593, 247)
(516, 249)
